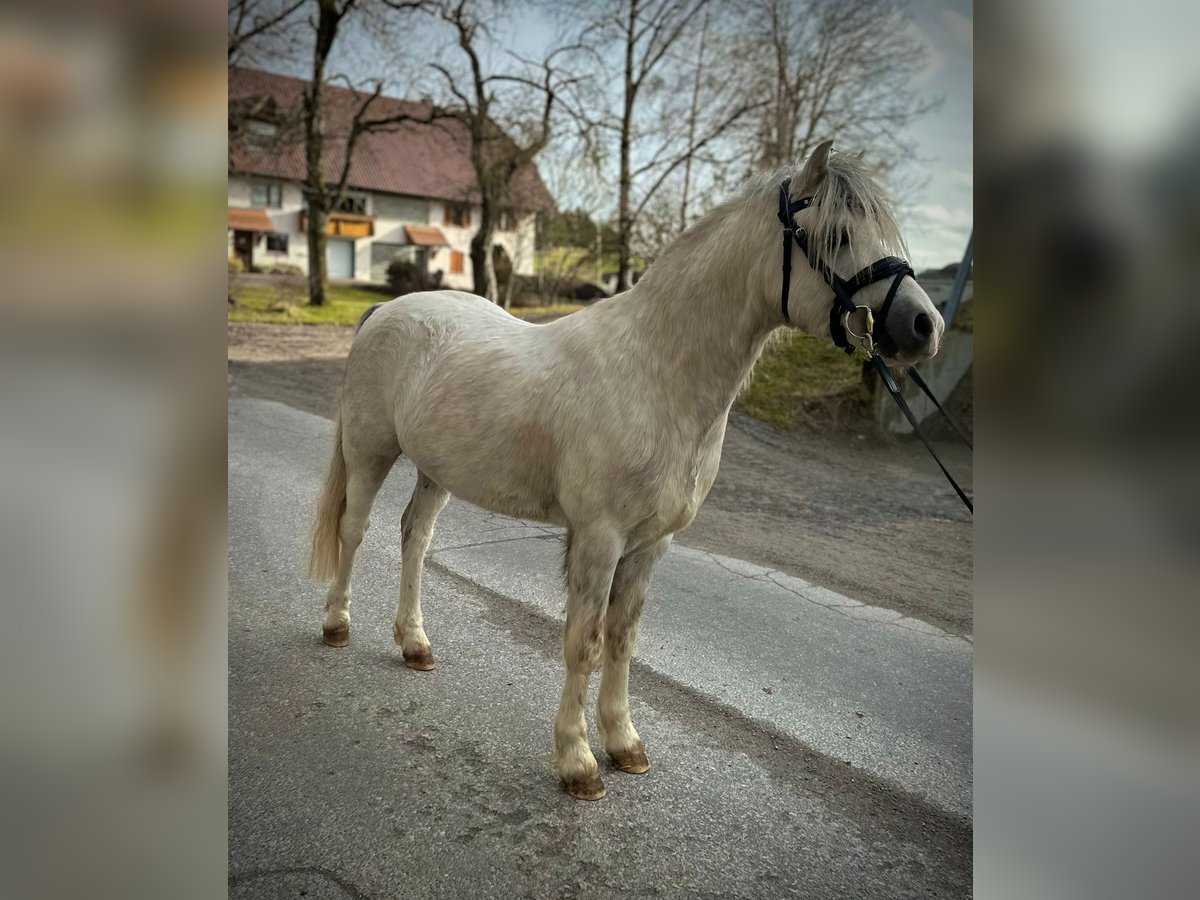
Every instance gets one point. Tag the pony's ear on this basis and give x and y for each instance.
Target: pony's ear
(816, 168)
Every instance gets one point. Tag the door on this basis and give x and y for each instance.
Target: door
(339, 259)
(243, 248)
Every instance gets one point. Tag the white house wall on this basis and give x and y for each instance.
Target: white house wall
(459, 240)
(520, 244)
(391, 214)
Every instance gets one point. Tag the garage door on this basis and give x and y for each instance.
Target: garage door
(339, 259)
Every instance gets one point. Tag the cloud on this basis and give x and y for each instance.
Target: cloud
(960, 26)
(963, 179)
(937, 234)
(935, 59)
(938, 214)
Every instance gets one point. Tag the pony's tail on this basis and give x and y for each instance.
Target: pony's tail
(326, 544)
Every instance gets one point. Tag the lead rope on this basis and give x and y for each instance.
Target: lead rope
(920, 382)
(894, 390)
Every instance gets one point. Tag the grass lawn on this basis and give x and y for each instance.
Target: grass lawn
(794, 369)
(344, 305)
(554, 309)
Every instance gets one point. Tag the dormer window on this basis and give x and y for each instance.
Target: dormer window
(261, 128)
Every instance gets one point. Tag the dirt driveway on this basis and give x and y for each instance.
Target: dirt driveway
(850, 509)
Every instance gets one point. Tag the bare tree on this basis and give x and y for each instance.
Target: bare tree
(571, 245)
(842, 69)
(652, 38)
(498, 151)
(250, 21)
(692, 121)
(322, 195)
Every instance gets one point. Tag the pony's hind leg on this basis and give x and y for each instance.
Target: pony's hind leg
(592, 556)
(420, 515)
(364, 477)
(625, 603)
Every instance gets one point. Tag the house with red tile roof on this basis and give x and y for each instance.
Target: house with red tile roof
(411, 191)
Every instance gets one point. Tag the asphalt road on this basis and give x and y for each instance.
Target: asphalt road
(802, 743)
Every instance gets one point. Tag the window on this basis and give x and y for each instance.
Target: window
(507, 220)
(456, 262)
(354, 203)
(269, 195)
(277, 242)
(458, 214)
(260, 128)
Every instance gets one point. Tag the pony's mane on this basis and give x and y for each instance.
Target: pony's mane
(849, 200)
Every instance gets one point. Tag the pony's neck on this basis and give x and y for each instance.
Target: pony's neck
(700, 308)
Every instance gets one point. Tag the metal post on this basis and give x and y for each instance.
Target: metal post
(960, 283)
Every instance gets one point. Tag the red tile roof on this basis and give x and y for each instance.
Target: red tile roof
(418, 160)
(249, 220)
(426, 236)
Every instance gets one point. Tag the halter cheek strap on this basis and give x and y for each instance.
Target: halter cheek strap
(788, 209)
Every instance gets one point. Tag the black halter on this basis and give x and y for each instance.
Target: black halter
(843, 290)
(843, 307)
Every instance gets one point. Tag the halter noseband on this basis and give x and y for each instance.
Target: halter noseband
(843, 289)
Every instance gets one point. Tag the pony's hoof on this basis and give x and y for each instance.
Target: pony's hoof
(591, 788)
(421, 660)
(632, 761)
(336, 637)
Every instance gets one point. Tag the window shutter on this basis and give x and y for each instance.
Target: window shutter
(446, 215)
(466, 216)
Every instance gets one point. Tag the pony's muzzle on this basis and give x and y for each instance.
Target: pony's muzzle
(915, 327)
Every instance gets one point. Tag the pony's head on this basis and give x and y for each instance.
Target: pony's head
(848, 225)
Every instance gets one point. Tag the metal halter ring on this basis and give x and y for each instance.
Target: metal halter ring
(865, 341)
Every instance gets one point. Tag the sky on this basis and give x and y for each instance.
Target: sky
(936, 217)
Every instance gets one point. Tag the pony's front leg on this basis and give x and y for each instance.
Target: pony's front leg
(592, 556)
(625, 602)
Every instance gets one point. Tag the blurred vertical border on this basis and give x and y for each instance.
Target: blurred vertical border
(1088, 185)
(112, 429)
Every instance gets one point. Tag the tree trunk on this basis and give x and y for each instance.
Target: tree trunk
(314, 144)
(483, 270)
(624, 219)
(317, 241)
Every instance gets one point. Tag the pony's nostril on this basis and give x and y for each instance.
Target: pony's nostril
(923, 325)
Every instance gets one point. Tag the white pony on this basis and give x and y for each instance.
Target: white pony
(608, 422)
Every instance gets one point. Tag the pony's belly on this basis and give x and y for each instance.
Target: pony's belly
(510, 490)
(516, 506)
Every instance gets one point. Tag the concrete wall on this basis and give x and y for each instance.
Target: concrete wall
(942, 374)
